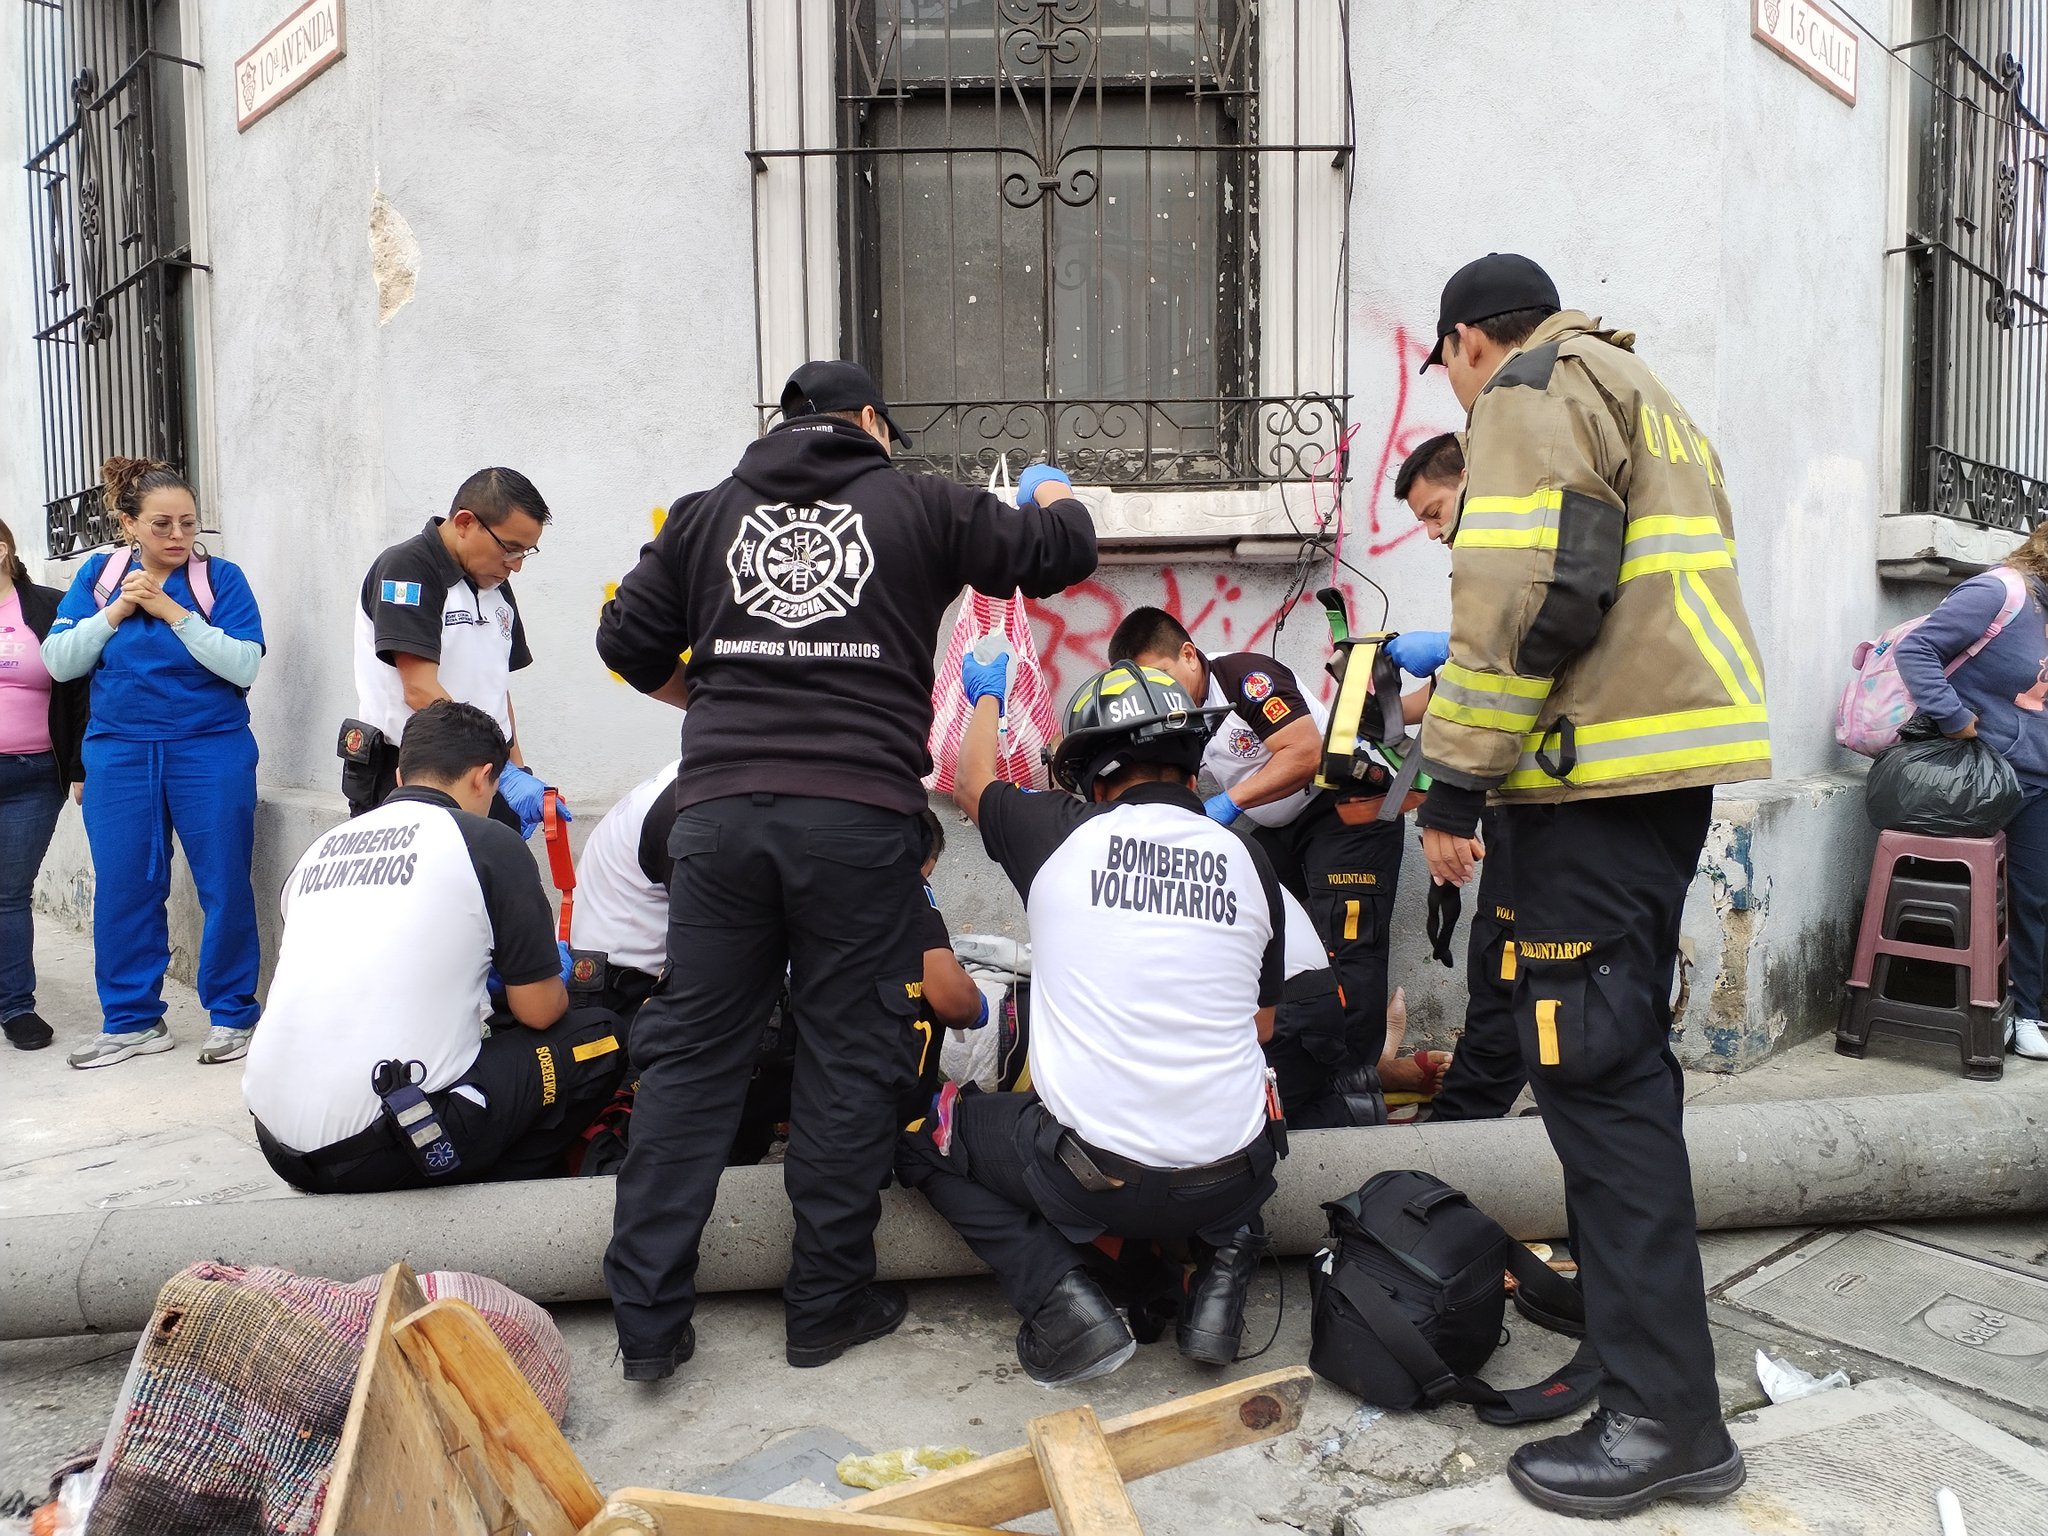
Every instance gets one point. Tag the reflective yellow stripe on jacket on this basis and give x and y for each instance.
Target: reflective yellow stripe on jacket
(1509, 522)
(1652, 744)
(1670, 543)
(1720, 642)
(1494, 701)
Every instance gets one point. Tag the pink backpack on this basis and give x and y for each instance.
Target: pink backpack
(1875, 706)
(116, 568)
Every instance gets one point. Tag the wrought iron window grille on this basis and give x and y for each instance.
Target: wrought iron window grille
(1105, 232)
(109, 252)
(1977, 244)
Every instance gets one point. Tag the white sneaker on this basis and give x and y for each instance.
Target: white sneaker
(2027, 1037)
(111, 1047)
(224, 1044)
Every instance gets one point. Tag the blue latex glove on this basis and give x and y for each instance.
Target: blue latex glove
(523, 792)
(1420, 652)
(983, 1020)
(1221, 808)
(985, 679)
(1032, 478)
(493, 982)
(568, 963)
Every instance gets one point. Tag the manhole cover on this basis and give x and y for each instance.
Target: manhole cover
(1967, 1322)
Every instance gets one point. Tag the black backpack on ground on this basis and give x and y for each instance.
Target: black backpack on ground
(1407, 1298)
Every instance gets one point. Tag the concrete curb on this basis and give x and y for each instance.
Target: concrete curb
(1796, 1163)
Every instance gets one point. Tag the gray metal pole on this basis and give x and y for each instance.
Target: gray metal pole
(1795, 1163)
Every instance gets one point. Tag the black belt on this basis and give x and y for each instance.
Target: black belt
(1129, 1172)
(376, 1138)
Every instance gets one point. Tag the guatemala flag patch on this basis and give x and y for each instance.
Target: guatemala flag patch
(404, 593)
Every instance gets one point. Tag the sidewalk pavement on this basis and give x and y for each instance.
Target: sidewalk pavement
(163, 1129)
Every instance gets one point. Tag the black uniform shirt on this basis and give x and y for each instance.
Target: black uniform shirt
(808, 590)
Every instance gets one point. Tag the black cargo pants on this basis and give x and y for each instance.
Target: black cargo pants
(1005, 1191)
(1486, 1073)
(1346, 877)
(1599, 887)
(541, 1088)
(828, 888)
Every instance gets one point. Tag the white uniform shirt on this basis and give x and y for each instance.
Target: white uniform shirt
(391, 923)
(621, 885)
(416, 600)
(1155, 939)
(1305, 950)
(1264, 697)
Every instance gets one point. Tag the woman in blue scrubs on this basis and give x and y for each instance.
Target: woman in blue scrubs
(168, 750)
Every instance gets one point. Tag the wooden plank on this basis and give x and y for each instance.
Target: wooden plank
(1007, 1485)
(392, 1472)
(656, 1512)
(487, 1405)
(1088, 1498)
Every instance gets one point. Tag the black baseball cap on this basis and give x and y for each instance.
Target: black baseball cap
(831, 385)
(1493, 285)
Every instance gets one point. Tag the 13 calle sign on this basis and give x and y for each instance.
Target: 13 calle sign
(1811, 38)
(290, 55)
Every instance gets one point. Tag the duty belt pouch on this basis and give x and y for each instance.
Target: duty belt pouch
(588, 974)
(413, 1118)
(358, 746)
(1407, 1298)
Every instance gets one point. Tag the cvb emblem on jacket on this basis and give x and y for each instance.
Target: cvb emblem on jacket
(796, 565)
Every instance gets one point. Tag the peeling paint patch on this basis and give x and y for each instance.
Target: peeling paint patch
(394, 257)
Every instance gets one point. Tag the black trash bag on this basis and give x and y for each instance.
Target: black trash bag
(1938, 787)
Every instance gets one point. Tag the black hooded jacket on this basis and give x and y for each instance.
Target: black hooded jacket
(808, 590)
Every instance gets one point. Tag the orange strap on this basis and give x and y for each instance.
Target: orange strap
(560, 864)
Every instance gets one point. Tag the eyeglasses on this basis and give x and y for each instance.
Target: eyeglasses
(510, 551)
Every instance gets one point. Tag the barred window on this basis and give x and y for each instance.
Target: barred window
(1106, 231)
(112, 246)
(1977, 248)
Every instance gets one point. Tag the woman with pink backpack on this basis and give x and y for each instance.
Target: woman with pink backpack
(1978, 667)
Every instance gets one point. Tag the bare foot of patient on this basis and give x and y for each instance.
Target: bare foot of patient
(1421, 1073)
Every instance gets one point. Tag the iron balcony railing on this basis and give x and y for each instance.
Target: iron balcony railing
(1109, 232)
(1978, 244)
(108, 258)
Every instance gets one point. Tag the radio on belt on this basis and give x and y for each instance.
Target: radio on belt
(413, 1117)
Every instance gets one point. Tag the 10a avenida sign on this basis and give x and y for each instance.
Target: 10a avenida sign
(290, 55)
(1821, 44)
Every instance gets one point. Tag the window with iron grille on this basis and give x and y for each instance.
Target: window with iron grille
(111, 246)
(1977, 243)
(1106, 232)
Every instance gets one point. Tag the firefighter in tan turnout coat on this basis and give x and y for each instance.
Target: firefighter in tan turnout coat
(1602, 678)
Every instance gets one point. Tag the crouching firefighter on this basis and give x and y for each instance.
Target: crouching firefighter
(371, 1070)
(1157, 964)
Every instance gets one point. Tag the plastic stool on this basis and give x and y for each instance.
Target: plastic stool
(1970, 913)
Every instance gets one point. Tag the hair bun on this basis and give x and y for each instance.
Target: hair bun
(125, 481)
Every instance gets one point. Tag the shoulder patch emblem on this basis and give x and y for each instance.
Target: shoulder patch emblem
(1242, 744)
(797, 565)
(404, 593)
(1275, 710)
(1256, 685)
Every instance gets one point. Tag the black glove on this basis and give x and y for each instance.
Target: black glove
(1442, 923)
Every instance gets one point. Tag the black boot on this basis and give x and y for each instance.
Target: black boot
(1572, 1324)
(1364, 1103)
(1618, 1462)
(1074, 1336)
(661, 1365)
(876, 1311)
(1212, 1318)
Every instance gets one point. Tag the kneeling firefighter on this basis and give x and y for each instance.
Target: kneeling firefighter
(1158, 961)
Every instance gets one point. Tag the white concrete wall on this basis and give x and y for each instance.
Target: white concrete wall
(581, 307)
(21, 444)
